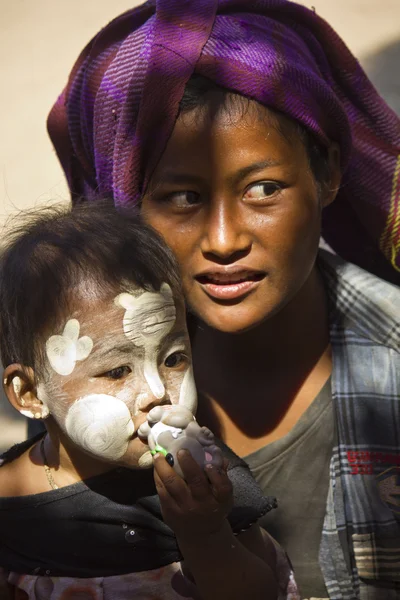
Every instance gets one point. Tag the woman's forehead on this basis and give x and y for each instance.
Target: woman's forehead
(234, 138)
(224, 108)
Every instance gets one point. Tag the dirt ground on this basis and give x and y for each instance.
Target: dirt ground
(40, 40)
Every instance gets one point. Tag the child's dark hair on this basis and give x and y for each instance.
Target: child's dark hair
(53, 250)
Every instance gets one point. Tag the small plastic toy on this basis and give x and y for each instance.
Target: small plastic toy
(173, 428)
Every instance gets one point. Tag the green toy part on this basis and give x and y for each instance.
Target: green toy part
(159, 450)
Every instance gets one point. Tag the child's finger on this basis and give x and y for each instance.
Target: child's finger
(194, 475)
(169, 480)
(220, 482)
(167, 501)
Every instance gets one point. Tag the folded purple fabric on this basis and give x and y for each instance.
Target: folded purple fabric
(113, 120)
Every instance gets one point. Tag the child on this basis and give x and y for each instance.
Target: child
(93, 337)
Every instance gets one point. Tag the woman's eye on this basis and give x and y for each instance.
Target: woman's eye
(174, 360)
(261, 191)
(118, 373)
(184, 199)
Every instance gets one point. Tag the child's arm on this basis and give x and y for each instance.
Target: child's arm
(224, 566)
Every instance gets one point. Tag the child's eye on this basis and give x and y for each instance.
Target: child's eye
(174, 360)
(118, 373)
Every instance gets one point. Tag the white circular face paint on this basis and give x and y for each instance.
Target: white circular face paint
(101, 425)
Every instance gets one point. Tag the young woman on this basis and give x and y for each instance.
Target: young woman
(240, 127)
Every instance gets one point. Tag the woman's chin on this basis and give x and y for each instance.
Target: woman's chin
(233, 320)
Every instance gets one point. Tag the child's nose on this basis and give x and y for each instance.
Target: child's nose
(153, 390)
(153, 380)
(146, 401)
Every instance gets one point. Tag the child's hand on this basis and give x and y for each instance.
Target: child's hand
(196, 505)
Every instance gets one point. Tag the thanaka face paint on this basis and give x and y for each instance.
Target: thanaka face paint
(43, 413)
(27, 413)
(140, 356)
(64, 350)
(148, 319)
(101, 424)
(17, 385)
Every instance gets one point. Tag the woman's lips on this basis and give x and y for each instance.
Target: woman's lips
(228, 285)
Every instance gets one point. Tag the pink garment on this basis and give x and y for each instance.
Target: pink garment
(167, 583)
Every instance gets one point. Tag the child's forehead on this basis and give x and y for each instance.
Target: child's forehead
(105, 309)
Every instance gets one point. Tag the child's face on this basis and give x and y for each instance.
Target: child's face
(111, 362)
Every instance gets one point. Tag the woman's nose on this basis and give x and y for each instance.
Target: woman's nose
(225, 238)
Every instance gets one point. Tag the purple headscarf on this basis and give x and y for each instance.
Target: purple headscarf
(114, 118)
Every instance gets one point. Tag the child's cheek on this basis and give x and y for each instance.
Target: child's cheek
(101, 425)
(128, 394)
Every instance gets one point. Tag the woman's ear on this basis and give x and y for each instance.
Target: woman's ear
(20, 388)
(331, 187)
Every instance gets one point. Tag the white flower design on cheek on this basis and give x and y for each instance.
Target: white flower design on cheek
(64, 350)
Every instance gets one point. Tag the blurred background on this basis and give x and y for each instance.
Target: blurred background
(40, 40)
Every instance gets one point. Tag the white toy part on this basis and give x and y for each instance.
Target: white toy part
(174, 428)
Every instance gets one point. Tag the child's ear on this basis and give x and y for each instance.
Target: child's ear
(20, 388)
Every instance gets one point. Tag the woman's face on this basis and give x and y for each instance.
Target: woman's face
(238, 204)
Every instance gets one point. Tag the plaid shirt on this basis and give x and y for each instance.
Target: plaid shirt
(360, 547)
